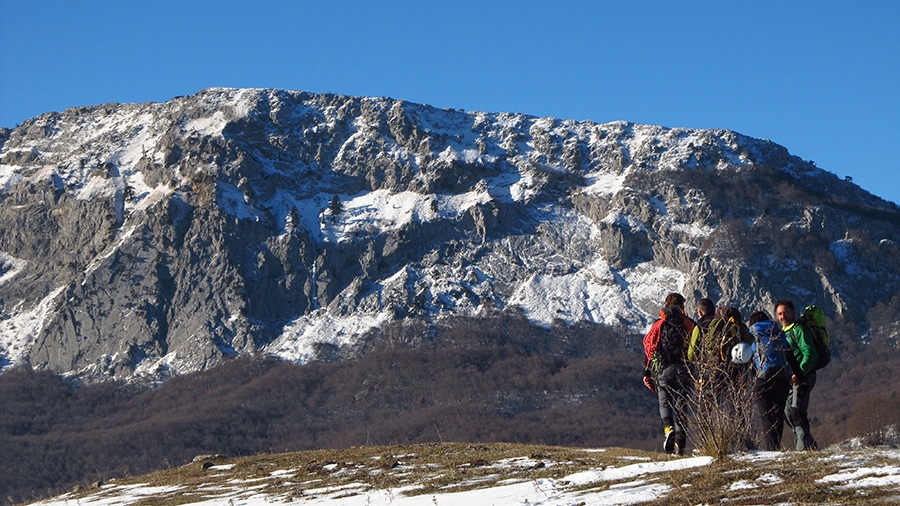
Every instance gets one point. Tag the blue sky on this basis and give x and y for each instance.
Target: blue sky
(821, 78)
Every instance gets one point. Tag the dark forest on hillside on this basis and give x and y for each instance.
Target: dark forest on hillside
(469, 380)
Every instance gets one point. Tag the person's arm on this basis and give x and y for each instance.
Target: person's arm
(651, 340)
(800, 359)
(790, 353)
(808, 354)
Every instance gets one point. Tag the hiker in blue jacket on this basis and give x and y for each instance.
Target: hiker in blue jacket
(802, 361)
(773, 378)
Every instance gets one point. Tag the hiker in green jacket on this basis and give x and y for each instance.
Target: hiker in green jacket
(802, 361)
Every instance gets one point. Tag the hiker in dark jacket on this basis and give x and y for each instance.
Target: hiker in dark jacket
(773, 377)
(706, 310)
(665, 371)
(710, 351)
(802, 362)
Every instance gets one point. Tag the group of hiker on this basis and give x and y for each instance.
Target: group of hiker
(777, 362)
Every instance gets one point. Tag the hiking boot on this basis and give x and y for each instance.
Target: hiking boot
(669, 439)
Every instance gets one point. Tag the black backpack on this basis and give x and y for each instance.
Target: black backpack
(672, 338)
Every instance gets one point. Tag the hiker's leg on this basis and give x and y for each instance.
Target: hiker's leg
(666, 397)
(780, 392)
(798, 414)
(683, 390)
(768, 411)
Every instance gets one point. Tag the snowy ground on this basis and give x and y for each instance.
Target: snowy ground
(465, 474)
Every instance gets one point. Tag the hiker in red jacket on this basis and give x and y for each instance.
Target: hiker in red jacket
(665, 371)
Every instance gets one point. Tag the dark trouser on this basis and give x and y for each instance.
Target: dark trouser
(673, 382)
(771, 396)
(733, 394)
(796, 409)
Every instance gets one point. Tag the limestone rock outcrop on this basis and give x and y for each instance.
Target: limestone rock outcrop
(143, 240)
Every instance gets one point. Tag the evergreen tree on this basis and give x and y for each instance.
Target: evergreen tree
(335, 207)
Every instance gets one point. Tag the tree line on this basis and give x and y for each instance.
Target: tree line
(486, 379)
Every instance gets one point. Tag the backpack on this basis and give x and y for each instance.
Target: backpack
(813, 318)
(670, 349)
(771, 346)
(725, 330)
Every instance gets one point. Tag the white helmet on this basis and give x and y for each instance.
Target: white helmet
(741, 353)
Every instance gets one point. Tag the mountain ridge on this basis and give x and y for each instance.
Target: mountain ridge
(144, 240)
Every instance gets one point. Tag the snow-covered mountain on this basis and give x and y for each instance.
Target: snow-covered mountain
(142, 240)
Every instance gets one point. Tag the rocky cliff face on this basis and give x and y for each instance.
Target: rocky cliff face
(141, 240)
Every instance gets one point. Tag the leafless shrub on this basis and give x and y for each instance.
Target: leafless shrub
(875, 418)
(720, 408)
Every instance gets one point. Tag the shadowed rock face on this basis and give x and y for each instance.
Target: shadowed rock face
(141, 240)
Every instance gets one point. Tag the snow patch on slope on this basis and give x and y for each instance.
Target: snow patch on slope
(604, 183)
(208, 125)
(10, 266)
(9, 177)
(18, 333)
(599, 294)
(233, 201)
(370, 213)
(300, 341)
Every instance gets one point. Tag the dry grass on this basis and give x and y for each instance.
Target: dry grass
(414, 469)
(792, 478)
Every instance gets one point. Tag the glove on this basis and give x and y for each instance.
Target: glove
(648, 381)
